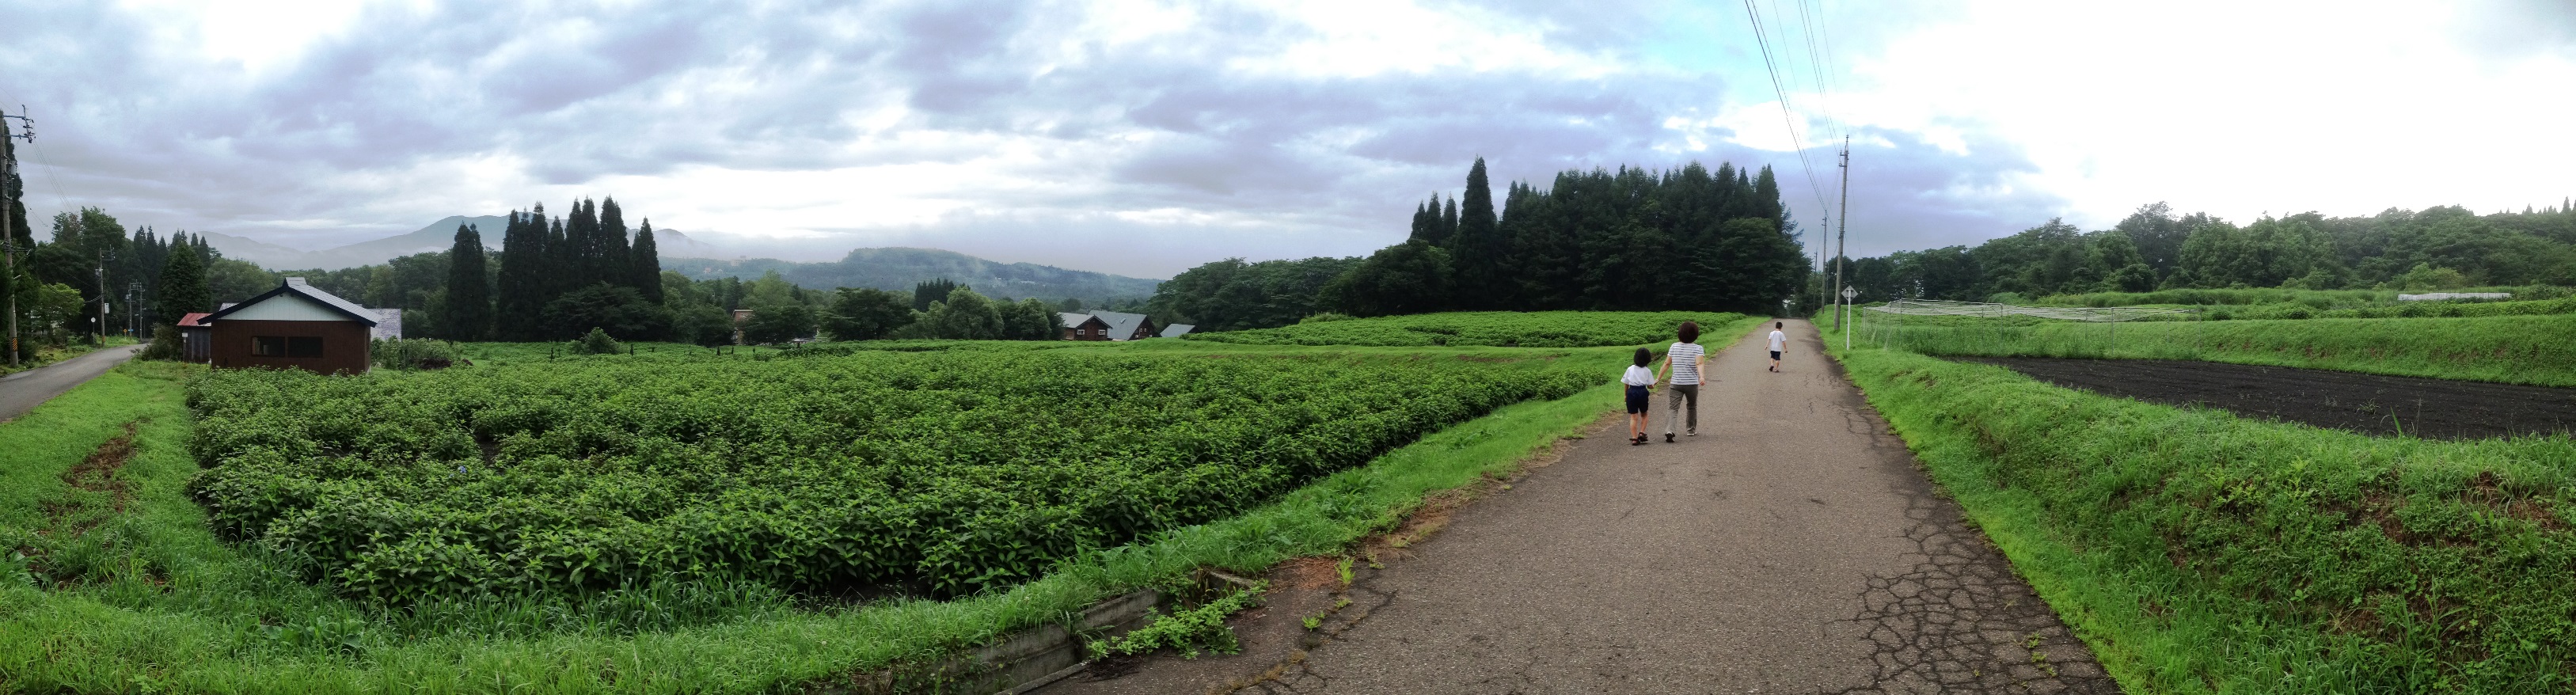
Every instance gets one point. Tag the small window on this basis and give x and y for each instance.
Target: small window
(301, 346)
(267, 346)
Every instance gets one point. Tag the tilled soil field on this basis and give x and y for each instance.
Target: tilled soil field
(2365, 403)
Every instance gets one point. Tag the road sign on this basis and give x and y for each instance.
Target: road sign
(1850, 293)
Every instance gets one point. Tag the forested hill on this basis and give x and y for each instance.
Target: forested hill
(902, 268)
(2436, 248)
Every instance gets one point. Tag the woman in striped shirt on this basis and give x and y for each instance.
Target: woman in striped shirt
(1684, 361)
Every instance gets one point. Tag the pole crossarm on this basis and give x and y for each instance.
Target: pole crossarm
(1942, 307)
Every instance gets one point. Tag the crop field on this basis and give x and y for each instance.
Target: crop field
(942, 473)
(2307, 304)
(2506, 349)
(1493, 328)
(688, 520)
(2199, 550)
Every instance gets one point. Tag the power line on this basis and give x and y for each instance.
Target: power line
(1796, 141)
(1816, 67)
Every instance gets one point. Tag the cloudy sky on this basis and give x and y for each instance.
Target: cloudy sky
(1144, 137)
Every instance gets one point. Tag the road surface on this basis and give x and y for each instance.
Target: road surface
(23, 391)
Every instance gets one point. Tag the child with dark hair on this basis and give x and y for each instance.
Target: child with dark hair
(1640, 381)
(1685, 360)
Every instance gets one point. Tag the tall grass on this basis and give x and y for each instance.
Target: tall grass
(2538, 350)
(204, 616)
(2197, 551)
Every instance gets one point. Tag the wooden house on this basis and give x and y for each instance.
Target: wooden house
(295, 326)
(1083, 326)
(1123, 326)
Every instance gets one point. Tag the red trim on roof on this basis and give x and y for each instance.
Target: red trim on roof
(190, 320)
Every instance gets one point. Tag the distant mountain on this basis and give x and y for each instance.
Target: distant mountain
(248, 249)
(901, 268)
(438, 236)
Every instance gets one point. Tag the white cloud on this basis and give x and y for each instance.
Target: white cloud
(2233, 107)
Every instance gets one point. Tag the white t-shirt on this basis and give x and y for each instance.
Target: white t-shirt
(1685, 362)
(1638, 376)
(1778, 339)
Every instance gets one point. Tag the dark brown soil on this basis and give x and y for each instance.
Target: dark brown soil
(2365, 403)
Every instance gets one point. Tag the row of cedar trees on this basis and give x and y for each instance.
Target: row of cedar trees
(541, 259)
(1633, 239)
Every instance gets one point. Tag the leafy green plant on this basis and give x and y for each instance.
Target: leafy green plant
(941, 473)
(1191, 631)
(596, 342)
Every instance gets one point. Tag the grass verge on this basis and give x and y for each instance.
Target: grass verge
(2197, 551)
(196, 615)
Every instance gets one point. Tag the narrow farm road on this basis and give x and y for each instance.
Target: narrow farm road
(23, 391)
(1791, 547)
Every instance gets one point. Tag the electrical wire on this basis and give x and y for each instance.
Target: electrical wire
(1799, 142)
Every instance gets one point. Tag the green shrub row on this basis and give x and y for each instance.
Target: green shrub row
(1550, 329)
(938, 473)
(2200, 551)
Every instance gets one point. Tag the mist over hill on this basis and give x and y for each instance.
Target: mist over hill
(438, 236)
(901, 268)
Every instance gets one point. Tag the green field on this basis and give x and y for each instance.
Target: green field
(1494, 328)
(2307, 304)
(2539, 350)
(715, 500)
(2196, 550)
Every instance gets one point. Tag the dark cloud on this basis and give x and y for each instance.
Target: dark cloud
(1286, 164)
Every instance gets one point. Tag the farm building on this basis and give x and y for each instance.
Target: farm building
(1124, 326)
(295, 326)
(1177, 330)
(196, 340)
(1083, 326)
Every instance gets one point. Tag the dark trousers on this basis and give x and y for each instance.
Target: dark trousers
(1675, 401)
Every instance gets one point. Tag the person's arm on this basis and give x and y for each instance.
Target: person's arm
(1665, 368)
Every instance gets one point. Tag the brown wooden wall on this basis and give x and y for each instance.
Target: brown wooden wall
(344, 345)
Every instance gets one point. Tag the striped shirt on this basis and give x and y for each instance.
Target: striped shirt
(1685, 362)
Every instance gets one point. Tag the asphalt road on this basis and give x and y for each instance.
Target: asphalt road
(1791, 547)
(23, 391)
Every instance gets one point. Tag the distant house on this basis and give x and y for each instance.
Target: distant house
(196, 340)
(1127, 326)
(295, 326)
(1083, 326)
(1177, 330)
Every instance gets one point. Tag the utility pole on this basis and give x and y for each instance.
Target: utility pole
(102, 296)
(1843, 218)
(8, 204)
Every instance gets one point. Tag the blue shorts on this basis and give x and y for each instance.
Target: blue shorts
(1636, 400)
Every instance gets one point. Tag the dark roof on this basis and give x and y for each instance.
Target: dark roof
(296, 286)
(1121, 326)
(1177, 330)
(1074, 320)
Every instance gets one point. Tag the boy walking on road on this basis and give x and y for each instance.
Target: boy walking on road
(1640, 381)
(1778, 340)
(1683, 360)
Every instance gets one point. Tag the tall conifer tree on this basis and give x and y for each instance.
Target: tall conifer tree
(182, 287)
(1476, 250)
(645, 261)
(614, 267)
(524, 287)
(468, 314)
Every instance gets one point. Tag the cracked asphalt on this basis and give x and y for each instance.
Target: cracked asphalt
(1791, 547)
